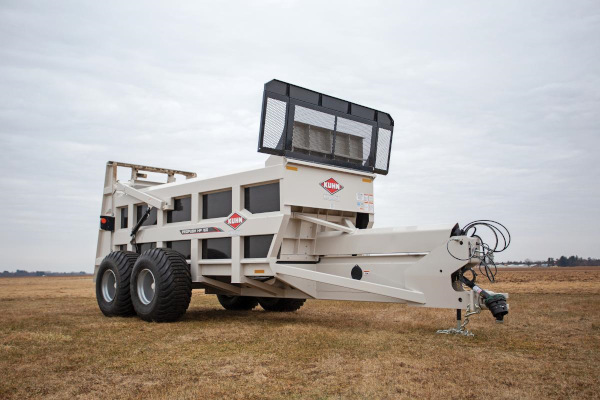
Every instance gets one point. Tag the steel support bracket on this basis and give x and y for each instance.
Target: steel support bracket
(328, 224)
(144, 197)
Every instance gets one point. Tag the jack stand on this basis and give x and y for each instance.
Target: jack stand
(460, 328)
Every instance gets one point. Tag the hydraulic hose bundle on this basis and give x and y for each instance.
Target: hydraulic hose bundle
(486, 252)
(496, 303)
(501, 243)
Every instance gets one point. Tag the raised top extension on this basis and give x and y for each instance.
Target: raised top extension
(137, 171)
(304, 124)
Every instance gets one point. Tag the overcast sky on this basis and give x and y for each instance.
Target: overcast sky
(496, 108)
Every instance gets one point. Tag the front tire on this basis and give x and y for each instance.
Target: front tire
(237, 303)
(112, 284)
(161, 285)
(280, 305)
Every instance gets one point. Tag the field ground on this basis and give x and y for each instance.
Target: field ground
(55, 343)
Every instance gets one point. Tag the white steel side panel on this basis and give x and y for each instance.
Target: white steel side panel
(301, 186)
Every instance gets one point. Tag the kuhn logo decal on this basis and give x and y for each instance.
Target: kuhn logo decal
(331, 185)
(235, 220)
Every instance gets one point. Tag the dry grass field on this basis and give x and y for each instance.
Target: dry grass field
(55, 343)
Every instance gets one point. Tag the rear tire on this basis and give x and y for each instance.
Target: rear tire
(161, 285)
(237, 303)
(112, 284)
(280, 305)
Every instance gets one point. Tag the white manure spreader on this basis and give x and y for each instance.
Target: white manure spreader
(299, 228)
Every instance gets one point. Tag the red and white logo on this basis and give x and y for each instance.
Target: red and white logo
(235, 220)
(331, 185)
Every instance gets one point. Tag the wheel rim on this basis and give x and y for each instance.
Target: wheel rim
(109, 285)
(146, 286)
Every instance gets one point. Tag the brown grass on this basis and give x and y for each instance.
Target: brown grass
(55, 343)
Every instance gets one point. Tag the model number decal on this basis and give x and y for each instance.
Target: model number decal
(200, 230)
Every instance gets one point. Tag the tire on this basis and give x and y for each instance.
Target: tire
(237, 303)
(161, 285)
(280, 305)
(112, 284)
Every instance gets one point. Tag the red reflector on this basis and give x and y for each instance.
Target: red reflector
(103, 220)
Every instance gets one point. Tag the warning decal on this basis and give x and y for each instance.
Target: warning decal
(365, 202)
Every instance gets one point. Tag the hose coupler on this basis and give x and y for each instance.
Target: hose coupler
(496, 303)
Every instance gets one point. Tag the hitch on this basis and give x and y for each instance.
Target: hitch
(496, 302)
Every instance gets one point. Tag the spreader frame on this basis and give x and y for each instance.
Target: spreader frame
(316, 242)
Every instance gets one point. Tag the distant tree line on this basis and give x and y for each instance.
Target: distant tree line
(562, 261)
(20, 272)
(575, 261)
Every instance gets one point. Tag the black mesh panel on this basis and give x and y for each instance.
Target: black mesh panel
(274, 124)
(384, 140)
